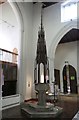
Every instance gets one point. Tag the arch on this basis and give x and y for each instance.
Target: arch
(18, 14)
(16, 9)
(59, 35)
(54, 43)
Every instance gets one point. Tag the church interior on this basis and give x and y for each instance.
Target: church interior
(39, 54)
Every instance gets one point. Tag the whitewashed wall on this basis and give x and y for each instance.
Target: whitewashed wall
(9, 36)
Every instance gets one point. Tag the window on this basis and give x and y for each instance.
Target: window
(68, 11)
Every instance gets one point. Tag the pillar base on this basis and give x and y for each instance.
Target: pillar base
(33, 110)
(41, 88)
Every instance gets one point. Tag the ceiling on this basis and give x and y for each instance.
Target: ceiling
(47, 4)
(71, 36)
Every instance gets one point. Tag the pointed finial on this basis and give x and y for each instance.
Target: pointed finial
(41, 16)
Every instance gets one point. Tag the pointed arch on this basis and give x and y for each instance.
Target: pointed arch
(54, 43)
(59, 35)
(16, 7)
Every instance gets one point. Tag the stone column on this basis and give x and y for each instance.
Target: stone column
(51, 69)
(42, 88)
(41, 98)
(51, 74)
(67, 73)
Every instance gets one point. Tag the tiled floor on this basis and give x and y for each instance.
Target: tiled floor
(69, 104)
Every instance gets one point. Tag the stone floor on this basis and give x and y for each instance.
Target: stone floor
(70, 105)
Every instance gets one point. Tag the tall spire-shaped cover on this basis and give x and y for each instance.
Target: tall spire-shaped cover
(41, 17)
(41, 62)
(41, 45)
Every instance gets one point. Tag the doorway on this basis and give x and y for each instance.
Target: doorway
(72, 80)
